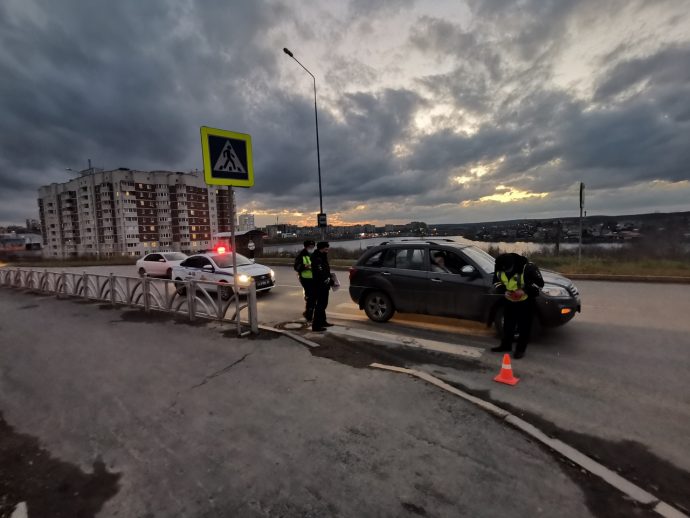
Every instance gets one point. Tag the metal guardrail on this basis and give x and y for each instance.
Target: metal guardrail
(195, 299)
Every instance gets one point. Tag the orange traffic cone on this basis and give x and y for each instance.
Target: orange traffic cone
(506, 374)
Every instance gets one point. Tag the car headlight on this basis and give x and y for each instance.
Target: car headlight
(244, 279)
(273, 275)
(553, 290)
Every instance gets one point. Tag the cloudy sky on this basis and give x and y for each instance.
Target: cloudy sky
(433, 110)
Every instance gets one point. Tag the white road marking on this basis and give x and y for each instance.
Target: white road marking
(407, 341)
(20, 511)
(472, 328)
(347, 316)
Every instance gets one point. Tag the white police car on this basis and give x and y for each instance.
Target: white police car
(217, 267)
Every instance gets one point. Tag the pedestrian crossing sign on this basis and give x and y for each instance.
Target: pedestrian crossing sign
(227, 157)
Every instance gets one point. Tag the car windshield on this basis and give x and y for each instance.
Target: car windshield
(225, 260)
(485, 261)
(175, 256)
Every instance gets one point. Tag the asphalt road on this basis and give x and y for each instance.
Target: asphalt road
(115, 412)
(612, 382)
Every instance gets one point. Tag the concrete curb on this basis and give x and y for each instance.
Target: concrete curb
(612, 478)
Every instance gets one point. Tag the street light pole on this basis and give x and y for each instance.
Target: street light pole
(318, 153)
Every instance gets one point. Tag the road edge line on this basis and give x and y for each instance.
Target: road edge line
(587, 463)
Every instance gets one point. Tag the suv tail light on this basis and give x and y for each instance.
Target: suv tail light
(352, 271)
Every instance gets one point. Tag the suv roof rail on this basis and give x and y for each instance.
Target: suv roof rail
(416, 240)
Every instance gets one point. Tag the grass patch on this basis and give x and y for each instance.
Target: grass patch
(67, 263)
(604, 266)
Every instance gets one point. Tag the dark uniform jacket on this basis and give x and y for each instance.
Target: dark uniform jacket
(320, 268)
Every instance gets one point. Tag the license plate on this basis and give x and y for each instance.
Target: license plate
(262, 284)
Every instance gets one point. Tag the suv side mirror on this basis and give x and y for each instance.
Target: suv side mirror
(207, 268)
(468, 271)
(161, 260)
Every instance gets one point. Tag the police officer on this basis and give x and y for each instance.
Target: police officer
(322, 285)
(303, 267)
(519, 282)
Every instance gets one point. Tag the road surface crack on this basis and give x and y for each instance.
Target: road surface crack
(219, 372)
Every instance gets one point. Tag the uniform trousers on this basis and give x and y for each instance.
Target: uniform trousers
(517, 315)
(309, 297)
(321, 293)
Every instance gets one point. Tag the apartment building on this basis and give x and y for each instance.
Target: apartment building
(126, 212)
(246, 222)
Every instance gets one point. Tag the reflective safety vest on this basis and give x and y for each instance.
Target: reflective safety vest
(516, 282)
(306, 273)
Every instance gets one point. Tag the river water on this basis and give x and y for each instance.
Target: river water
(519, 247)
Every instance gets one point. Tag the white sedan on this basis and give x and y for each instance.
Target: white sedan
(217, 267)
(160, 264)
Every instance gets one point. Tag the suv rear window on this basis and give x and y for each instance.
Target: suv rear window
(374, 260)
(404, 258)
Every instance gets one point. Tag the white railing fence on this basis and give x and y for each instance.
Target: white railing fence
(195, 299)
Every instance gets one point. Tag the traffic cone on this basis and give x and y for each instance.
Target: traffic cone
(506, 374)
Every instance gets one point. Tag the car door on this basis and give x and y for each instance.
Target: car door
(153, 264)
(191, 267)
(452, 292)
(405, 268)
(204, 275)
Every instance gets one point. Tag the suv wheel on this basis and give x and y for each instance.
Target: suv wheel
(378, 306)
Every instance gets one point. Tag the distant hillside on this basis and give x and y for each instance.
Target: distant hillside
(682, 218)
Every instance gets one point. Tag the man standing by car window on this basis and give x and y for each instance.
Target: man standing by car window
(519, 281)
(322, 285)
(438, 263)
(303, 267)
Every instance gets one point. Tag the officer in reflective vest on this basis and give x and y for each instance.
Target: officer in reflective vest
(519, 281)
(304, 272)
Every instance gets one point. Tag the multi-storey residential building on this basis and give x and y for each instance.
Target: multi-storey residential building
(126, 212)
(246, 222)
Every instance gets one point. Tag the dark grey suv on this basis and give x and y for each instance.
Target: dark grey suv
(445, 278)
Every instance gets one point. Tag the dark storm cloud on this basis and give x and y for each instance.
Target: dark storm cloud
(356, 151)
(661, 78)
(129, 83)
(546, 137)
(123, 83)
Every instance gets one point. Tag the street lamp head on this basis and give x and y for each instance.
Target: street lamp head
(287, 51)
